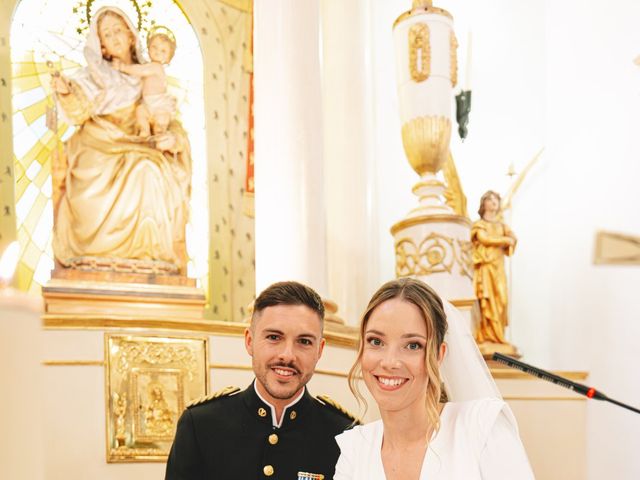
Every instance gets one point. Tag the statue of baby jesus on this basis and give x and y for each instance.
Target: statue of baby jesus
(158, 107)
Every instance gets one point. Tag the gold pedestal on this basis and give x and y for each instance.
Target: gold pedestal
(150, 374)
(114, 295)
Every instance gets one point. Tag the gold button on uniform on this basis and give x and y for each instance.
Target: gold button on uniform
(262, 412)
(267, 470)
(293, 415)
(273, 439)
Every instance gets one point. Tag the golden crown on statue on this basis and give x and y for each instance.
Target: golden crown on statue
(138, 12)
(161, 30)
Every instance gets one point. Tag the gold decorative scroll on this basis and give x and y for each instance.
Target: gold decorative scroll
(617, 249)
(149, 381)
(453, 194)
(419, 52)
(123, 265)
(435, 254)
(426, 143)
(453, 57)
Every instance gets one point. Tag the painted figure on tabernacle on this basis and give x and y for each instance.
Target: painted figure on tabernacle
(158, 416)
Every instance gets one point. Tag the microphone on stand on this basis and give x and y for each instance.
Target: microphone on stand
(589, 392)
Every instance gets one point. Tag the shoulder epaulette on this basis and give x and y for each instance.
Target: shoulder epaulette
(225, 392)
(331, 403)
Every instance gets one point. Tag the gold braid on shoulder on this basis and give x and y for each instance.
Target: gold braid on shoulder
(225, 392)
(329, 402)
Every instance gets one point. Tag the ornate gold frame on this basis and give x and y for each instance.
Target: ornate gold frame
(148, 381)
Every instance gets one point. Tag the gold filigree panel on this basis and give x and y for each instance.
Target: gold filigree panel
(435, 254)
(149, 380)
(419, 52)
(453, 58)
(465, 256)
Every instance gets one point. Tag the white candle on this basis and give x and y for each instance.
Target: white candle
(467, 82)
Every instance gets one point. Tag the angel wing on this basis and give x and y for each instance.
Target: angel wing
(454, 196)
(506, 203)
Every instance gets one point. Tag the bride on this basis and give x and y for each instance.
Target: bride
(405, 350)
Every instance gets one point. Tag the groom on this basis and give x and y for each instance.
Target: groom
(273, 428)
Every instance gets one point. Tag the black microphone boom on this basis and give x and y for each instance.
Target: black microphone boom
(558, 380)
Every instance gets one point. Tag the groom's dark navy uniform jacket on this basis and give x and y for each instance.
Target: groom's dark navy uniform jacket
(231, 436)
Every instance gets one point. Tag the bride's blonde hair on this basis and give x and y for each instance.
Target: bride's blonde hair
(430, 305)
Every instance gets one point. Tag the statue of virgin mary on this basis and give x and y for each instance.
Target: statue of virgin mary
(123, 202)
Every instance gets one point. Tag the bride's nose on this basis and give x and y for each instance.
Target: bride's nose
(390, 360)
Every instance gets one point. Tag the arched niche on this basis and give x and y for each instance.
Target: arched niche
(223, 31)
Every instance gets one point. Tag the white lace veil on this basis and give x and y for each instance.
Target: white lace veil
(464, 372)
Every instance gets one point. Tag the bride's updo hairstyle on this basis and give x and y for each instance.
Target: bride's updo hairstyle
(430, 305)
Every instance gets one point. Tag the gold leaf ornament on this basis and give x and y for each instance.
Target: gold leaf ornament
(419, 52)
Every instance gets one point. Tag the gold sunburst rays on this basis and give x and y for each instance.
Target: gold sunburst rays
(34, 145)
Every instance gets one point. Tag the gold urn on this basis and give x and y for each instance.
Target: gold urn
(427, 71)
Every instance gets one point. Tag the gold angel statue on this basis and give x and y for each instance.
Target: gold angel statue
(121, 197)
(492, 240)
